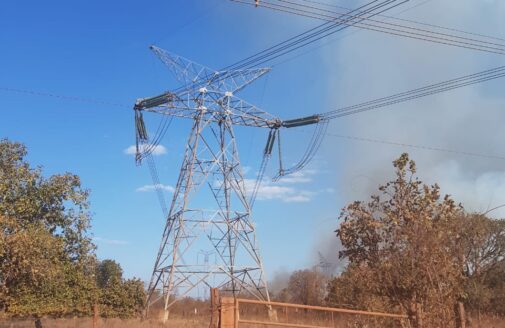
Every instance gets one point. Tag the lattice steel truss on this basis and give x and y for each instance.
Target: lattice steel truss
(210, 173)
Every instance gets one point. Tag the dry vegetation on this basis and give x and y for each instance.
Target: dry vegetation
(105, 323)
(203, 322)
(409, 250)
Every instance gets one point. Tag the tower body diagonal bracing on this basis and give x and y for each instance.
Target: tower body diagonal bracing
(210, 211)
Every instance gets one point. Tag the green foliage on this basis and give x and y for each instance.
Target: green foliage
(122, 299)
(47, 264)
(108, 272)
(30, 258)
(118, 297)
(58, 203)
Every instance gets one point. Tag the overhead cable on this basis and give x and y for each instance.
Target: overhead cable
(413, 32)
(316, 33)
(480, 77)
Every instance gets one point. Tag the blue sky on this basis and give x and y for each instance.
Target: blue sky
(99, 50)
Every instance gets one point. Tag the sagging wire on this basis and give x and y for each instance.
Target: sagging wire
(145, 146)
(267, 153)
(310, 152)
(141, 136)
(142, 139)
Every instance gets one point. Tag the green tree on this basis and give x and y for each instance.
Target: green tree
(29, 259)
(58, 203)
(47, 263)
(108, 272)
(118, 297)
(45, 252)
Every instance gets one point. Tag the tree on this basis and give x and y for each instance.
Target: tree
(118, 297)
(408, 240)
(484, 263)
(47, 261)
(29, 259)
(45, 252)
(108, 272)
(57, 203)
(306, 287)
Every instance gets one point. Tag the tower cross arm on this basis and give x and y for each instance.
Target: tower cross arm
(214, 106)
(194, 75)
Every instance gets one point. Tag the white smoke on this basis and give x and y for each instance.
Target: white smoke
(368, 65)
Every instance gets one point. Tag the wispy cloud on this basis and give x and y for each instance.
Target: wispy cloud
(147, 188)
(299, 177)
(286, 189)
(110, 241)
(267, 191)
(157, 150)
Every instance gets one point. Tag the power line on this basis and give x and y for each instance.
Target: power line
(316, 33)
(351, 33)
(401, 144)
(303, 39)
(480, 77)
(384, 27)
(413, 31)
(369, 105)
(417, 22)
(64, 97)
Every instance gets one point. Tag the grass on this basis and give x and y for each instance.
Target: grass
(104, 323)
(185, 322)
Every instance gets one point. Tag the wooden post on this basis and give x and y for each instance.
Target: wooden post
(460, 315)
(95, 316)
(214, 308)
(236, 312)
(419, 315)
(227, 317)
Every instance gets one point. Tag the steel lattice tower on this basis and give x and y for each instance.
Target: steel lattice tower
(211, 172)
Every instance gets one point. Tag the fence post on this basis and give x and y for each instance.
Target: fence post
(236, 312)
(419, 315)
(228, 314)
(95, 316)
(214, 308)
(460, 315)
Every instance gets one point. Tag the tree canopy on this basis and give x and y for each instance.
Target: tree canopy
(412, 250)
(47, 260)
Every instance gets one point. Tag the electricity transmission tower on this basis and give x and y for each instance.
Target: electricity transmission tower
(211, 202)
(211, 174)
(326, 267)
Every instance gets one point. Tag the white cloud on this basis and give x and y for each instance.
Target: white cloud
(286, 188)
(110, 241)
(246, 169)
(269, 190)
(147, 188)
(299, 177)
(157, 150)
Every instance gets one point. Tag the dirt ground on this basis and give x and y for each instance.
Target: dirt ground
(103, 323)
(198, 322)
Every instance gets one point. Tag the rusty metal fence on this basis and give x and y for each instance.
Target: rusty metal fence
(231, 314)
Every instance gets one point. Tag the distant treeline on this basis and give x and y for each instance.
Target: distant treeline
(47, 260)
